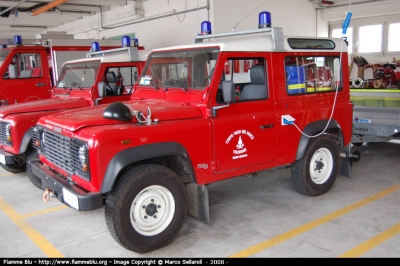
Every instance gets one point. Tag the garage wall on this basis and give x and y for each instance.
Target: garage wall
(376, 12)
(161, 27)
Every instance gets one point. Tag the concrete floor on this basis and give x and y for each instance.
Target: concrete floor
(249, 217)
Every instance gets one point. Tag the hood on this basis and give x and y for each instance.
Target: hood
(43, 105)
(163, 111)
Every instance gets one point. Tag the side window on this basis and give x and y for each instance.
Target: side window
(311, 74)
(249, 77)
(25, 66)
(120, 80)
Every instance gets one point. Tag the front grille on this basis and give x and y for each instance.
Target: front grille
(35, 138)
(61, 151)
(3, 137)
(57, 149)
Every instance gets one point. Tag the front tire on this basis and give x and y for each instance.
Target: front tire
(316, 172)
(147, 208)
(14, 168)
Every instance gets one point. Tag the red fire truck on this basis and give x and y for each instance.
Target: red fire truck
(77, 87)
(189, 123)
(28, 72)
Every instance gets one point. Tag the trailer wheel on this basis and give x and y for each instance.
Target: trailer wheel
(356, 156)
(32, 177)
(147, 208)
(316, 172)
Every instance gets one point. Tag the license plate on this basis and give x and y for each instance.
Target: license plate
(2, 159)
(70, 199)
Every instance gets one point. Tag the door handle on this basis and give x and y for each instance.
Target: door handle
(267, 126)
(40, 84)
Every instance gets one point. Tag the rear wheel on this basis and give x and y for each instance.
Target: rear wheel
(147, 208)
(316, 172)
(32, 177)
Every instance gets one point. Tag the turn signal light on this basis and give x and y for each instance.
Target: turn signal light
(84, 167)
(37, 143)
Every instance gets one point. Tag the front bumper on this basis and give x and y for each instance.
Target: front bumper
(6, 158)
(67, 193)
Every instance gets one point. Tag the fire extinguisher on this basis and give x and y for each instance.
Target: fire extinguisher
(247, 65)
(227, 67)
(237, 92)
(236, 66)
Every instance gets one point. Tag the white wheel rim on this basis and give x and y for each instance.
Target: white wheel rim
(321, 165)
(152, 210)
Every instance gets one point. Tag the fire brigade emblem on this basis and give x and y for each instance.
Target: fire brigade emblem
(240, 150)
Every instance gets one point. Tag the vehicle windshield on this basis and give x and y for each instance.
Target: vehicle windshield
(79, 75)
(3, 56)
(185, 69)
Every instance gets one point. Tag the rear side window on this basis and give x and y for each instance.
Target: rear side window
(312, 74)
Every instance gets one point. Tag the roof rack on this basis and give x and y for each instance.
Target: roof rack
(133, 52)
(276, 33)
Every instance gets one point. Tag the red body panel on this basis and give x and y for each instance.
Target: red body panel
(23, 116)
(243, 137)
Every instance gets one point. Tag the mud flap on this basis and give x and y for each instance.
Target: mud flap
(198, 201)
(346, 165)
(346, 162)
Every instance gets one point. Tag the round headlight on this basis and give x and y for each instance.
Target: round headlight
(82, 153)
(8, 130)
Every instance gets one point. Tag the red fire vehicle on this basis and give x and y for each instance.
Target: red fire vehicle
(149, 159)
(77, 88)
(28, 72)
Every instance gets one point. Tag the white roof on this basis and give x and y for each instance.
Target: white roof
(257, 42)
(120, 56)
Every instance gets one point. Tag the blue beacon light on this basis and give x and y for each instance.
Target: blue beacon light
(95, 47)
(17, 40)
(126, 41)
(206, 28)
(264, 20)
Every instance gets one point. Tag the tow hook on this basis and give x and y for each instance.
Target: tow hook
(47, 194)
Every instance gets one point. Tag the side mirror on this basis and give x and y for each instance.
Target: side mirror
(101, 89)
(117, 111)
(12, 71)
(228, 91)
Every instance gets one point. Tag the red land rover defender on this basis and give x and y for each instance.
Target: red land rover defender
(28, 72)
(77, 88)
(202, 113)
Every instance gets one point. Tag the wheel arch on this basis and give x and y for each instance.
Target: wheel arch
(317, 127)
(26, 140)
(170, 154)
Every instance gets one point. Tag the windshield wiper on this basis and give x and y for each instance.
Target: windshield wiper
(182, 84)
(154, 85)
(74, 83)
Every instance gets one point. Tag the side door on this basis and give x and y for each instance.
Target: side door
(26, 78)
(244, 132)
(119, 81)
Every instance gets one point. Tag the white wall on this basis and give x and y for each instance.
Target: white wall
(291, 15)
(379, 12)
(296, 17)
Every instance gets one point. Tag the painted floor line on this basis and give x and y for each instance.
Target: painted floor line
(39, 240)
(61, 207)
(6, 174)
(313, 224)
(372, 243)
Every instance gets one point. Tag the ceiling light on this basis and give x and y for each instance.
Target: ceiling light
(57, 10)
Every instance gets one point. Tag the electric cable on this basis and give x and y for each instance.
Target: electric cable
(345, 25)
